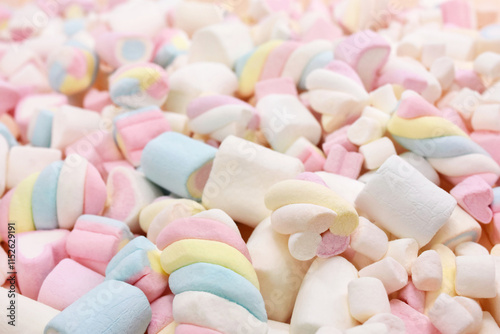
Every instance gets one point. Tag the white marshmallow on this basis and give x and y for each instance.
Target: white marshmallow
(449, 316)
(404, 250)
(368, 239)
(276, 327)
(367, 297)
(470, 248)
(488, 325)
(444, 70)
(449, 269)
(178, 122)
(383, 98)
(328, 330)
(390, 198)
(394, 324)
(303, 245)
(377, 152)
(301, 217)
(475, 276)
(26, 160)
(364, 130)
(374, 328)
(474, 310)
(284, 119)
(495, 251)
(392, 274)
(431, 52)
(488, 64)
(345, 187)
(427, 271)
(422, 165)
(280, 275)
(140, 17)
(223, 43)
(378, 115)
(30, 315)
(191, 16)
(326, 277)
(238, 166)
(486, 117)
(71, 123)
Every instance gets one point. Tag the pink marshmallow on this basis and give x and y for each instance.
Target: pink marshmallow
(469, 79)
(332, 245)
(321, 29)
(339, 137)
(162, 314)
(274, 64)
(415, 106)
(493, 229)
(38, 252)
(490, 141)
(66, 283)
(275, 86)
(475, 195)
(95, 192)
(312, 159)
(415, 322)
(458, 13)
(412, 296)
(340, 161)
(96, 100)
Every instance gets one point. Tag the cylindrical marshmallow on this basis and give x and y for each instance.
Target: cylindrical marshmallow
(392, 274)
(368, 239)
(427, 271)
(367, 297)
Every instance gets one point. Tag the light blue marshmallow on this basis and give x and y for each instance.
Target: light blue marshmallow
(496, 196)
(171, 158)
(5, 132)
(130, 260)
(166, 55)
(133, 50)
(441, 147)
(219, 281)
(318, 61)
(73, 26)
(42, 131)
(124, 87)
(113, 307)
(110, 222)
(491, 31)
(44, 197)
(240, 63)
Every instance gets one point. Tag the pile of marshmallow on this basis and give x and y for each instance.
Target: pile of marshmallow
(250, 167)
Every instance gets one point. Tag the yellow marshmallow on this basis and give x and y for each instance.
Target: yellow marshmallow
(20, 205)
(423, 127)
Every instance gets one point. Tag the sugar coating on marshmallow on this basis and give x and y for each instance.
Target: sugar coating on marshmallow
(369, 240)
(475, 276)
(367, 297)
(427, 272)
(392, 274)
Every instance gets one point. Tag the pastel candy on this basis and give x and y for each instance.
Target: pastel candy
(366, 52)
(169, 45)
(367, 297)
(73, 68)
(38, 252)
(4, 154)
(40, 128)
(125, 310)
(368, 239)
(427, 272)
(66, 283)
(162, 317)
(449, 316)
(138, 263)
(284, 119)
(484, 283)
(134, 129)
(178, 163)
(7, 135)
(96, 100)
(474, 195)
(220, 116)
(117, 48)
(25, 160)
(392, 274)
(72, 123)
(128, 192)
(275, 86)
(211, 266)
(94, 241)
(191, 17)
(26, 308)
(448, 263)
(415, 322)
(19, 210)
(310, 155)
(271, 260)
(377, 201)
(139, 85)
(404, 250)
(340, 161)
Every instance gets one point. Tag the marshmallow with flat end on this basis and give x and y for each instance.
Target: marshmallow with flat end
(488, 324)
(486, 117)
(404, 250)
(470, 248)
(443, 69)
(488, 65)
(366, 52)
(118, 48)
(145, 18)
(276, 327)
(282, 85)
(40, 128)
(346, 187)
(162, 319)
(26, 160)
(178, 163)
(310, 155)
(374, 328)
(237, 166)
(139, 85)
(38, 252)
(128, 192)
(135, 129)
(415, 322)
(368, 239)
(170, 44)
(394, 324)
(195, 79)
(117, 307)
(94, 241)
(273, 262)
(193, 16)
(412, 296)
(342, 162)
(219, 116)
(449, 270)
(284, 119)
(367, 297)
(364, 130)
(475, 277)
(326, 277)
(384, 98)
(138, 264)
(339, 137)
(66, 283)
(432, 51)
(377, 152)
(449, 316)
(177, 122)
(391, 196)
(474, 309)
(392, 274)
(70, 124)
(223, 43)
(35, 314)
(154, 217)
(328, 330)
(459, 228)
(427, 271)
(422, 165)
